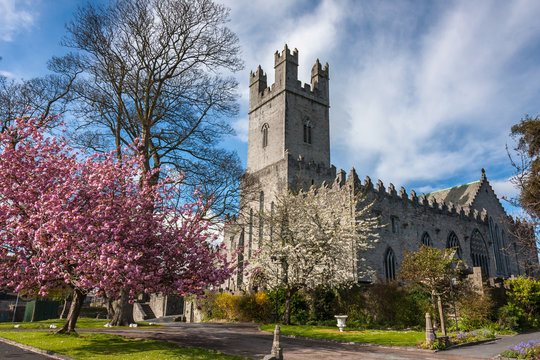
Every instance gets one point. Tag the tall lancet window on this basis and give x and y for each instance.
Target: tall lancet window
(307, 131)
(426, 240)
(453, 242)
(390, 265)
(264, 131)
(479, 253)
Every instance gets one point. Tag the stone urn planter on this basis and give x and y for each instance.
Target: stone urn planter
(341, 321)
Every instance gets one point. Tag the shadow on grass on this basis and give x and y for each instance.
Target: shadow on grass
(105, 346)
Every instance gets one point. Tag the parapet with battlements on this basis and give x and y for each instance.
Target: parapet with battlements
(286, 79)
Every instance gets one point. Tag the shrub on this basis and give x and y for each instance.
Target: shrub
(299, 306)
(229, 306)
(257, 307)
(524, 301)
(251, 307)
(209, 306)
(322, 304)
(391, 305)
(352, 301)
(507, 321)
(475, 310)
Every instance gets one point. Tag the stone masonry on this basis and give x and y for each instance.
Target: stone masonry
(289, 145)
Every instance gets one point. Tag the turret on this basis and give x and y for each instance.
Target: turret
(319, 79)
(286, 68)
(257, 83)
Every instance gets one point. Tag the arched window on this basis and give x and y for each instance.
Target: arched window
(264, 131)
(307, 131)
(497, 247)
(426, 240)
(394, 220)
(479, 253)
(453, 242)
(390, 265)
(240, 273)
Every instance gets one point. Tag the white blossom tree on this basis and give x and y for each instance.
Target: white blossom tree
(313, 237)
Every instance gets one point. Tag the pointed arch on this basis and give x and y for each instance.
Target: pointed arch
(479, 252)
(453, 242)
(264, 130)
(426, 239)
(390, 264)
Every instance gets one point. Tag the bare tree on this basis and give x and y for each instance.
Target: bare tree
(313, 237)
(38, 97)
(525, 160)
(159, 71)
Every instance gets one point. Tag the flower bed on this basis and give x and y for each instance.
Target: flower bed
(460, 338)
(523, 350)
(467, 337)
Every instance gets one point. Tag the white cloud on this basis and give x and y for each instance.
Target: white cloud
(15, 17)
(504, 189)
(421, 92)
(241, 127)
(428, 106)
(8, 74)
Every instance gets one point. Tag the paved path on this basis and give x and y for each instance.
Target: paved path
(492, 349)
(9, 352)
(247, 341)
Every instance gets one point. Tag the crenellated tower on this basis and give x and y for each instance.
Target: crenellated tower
(289, 135)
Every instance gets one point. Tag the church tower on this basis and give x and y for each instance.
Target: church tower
(289, 138)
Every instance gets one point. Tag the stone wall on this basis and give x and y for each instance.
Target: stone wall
(289, 161)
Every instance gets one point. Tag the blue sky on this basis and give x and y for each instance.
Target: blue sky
(423, 94)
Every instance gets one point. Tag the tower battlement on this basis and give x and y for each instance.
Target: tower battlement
(286, 56)
(286, 79)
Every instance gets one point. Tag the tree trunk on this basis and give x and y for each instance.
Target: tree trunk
(435, 312)
(287, 314)
(64, 308)
(110, 308)
(441, 315)
(74, 311)
(123, 313)
(34, 310)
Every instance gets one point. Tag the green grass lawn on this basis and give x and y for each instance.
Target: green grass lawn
(109, 347)
(380, 337)
(82, 323)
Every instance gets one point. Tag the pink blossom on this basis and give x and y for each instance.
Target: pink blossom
(67, 222)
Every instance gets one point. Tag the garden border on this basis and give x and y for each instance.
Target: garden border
(408, 348)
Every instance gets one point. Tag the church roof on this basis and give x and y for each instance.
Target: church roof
(462, 195)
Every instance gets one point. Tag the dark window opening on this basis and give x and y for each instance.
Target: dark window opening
(307, 132)
(264, 131)
(390, 265)
(426, 240)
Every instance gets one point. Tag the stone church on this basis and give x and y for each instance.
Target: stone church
(289, 135)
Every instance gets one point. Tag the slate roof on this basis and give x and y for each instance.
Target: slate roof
(462, 195)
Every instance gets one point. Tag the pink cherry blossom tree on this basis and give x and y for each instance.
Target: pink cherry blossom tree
(84, 223)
